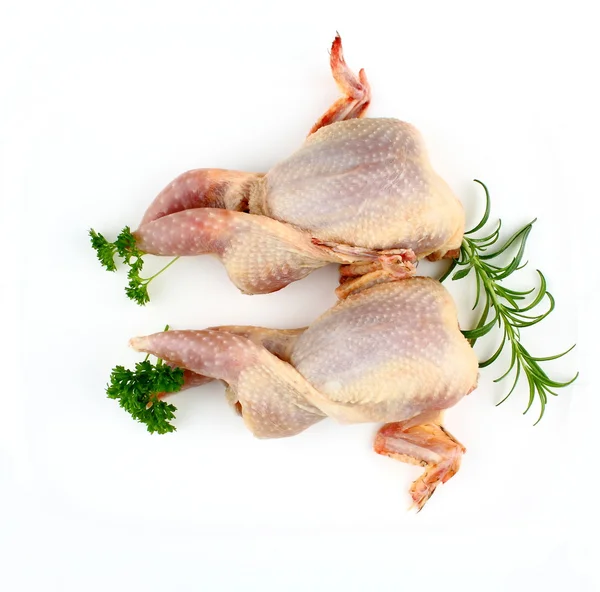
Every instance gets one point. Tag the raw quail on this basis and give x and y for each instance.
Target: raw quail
(358, 192)
(389, 353)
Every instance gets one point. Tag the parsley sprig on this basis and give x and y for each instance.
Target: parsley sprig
(505, 307)
(137, 392)
(124, 246)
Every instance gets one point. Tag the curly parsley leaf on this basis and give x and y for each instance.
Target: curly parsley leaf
(138, 393)
(105, 251)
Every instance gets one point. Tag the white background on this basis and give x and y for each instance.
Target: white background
(101, 105)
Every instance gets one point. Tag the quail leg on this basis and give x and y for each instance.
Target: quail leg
(204, 188)
(272, 397)
(261, 255)
(277, 341)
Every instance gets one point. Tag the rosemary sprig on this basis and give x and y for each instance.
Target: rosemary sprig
(506, 307)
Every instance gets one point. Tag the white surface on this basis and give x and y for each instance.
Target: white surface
(99, 109)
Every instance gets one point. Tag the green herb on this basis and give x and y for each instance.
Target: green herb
(105, 251)
(137, 392)
(506, 307)
(125, 248)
